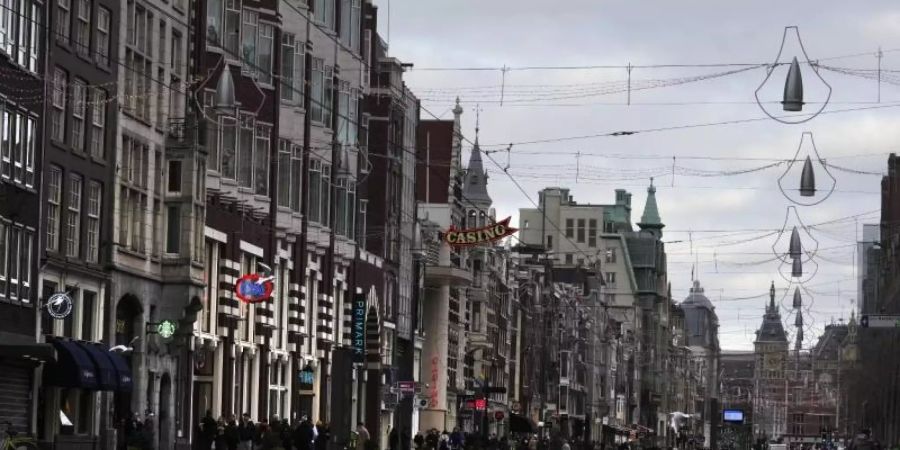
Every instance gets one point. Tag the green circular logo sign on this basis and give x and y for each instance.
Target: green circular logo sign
(166, 328)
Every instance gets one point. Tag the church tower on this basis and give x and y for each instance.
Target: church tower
(476, 200)
(771, 350)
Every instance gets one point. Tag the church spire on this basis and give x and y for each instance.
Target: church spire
(650, 219)
(475, 182)
(771, 307)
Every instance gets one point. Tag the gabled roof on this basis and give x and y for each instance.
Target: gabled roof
(771, 330)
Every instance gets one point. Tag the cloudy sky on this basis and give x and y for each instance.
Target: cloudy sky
(692, 98)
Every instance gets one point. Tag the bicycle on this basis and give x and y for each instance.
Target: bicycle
(14, 442)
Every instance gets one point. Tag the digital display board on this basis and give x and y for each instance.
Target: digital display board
(733, 416)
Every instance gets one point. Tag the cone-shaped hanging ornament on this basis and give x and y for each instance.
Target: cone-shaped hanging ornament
(798, 301)
(798, 322)
(797, 268)
(795, 248)
(793, 88)
(809, 194)
(792, 97)
(807, 179)
(225, 92)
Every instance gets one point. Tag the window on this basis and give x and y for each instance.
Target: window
(292, 59)
(232, 26)
(324, 12)
(549, 242)
(353, 120)
(73, 216)
(592, 232)
(79, 108)
(34, 42)
(213, 22)
(355, 16)
(98, 123)
(580, 237)
(173, 230)
(229, 147)
(610, 299)
(340, 205)
(175, 58)
(6, 146)
(345, 22)
(284, 173)
(325, 203)
(16, 130)
(569, 259)
(261, 159)
(611, 279)
(161, 39)
(266, 52)
(161, 100)
(245, 156)
(87, 315)
(361, 225)
(314, 190)
(102, 44)
(83, 28)
(63, 20)
(7, 13)
(328, 105)
(248, 41)
(4, 254)
(296, 176)
(343, 112)
(174, 175)
(611, 255)
(58, 115)
(317, 86)
(95, 195)
(570, 228)
(133, 202)
(54, 195)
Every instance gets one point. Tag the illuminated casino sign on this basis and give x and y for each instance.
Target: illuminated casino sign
(253, 288)
(475, 236)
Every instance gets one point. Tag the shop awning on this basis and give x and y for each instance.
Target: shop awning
(521, 424)
(123, 371)
(73, 367)
(106, 373)
(20, 347)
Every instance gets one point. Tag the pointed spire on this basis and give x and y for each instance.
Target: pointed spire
(475, 182)
(771, 307)
(650, 219)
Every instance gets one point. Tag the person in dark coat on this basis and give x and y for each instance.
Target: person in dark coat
(208, 428)
(246, 432)
(232, 435)
(419, 441)
(405, 439)
(303, 435)
(393, 439)
(323, 435)
(286, 440)
(221, 443)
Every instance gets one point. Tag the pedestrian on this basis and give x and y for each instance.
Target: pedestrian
(864, 441)
(393, 439)
(362, 436)
(208, 430)
(219, 440)
(405, 439)
(565, 445)
(246, 431)
(419, 441)
(323, 435)
(303, 434)
(286, 435)
(232, 435)
(431, 441)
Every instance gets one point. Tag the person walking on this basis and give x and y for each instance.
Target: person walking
(208, 428)
(393, 439)
(323, 435)
(419, 441)
(232, 435)
(220, 435)
(864, 441)
(246, 430)
(303, 434)
(362, 436)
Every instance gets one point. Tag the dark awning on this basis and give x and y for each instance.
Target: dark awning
(123, 371)
(105, 370)
(73, 367)
(24, 348)
(521, 424)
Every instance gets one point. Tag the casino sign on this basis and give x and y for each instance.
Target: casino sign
(475, 236)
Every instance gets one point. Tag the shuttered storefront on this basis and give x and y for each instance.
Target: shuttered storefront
(15, 384)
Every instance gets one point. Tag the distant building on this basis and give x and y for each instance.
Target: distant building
(702, 340)
(865, 262)
(770, 380)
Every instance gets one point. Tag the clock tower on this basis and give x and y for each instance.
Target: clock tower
(771, 350)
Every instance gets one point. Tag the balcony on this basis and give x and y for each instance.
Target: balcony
(438, 273)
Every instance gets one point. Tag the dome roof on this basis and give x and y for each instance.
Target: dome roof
(696, 298)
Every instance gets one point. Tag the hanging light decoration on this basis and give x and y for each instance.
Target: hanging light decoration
(807, 174)
(798, 322)
(797, 268)
(798, 300)
(225, 100)
(790, 246)
(795, 248)
(807, 179)
(793, 88)
(792, 99)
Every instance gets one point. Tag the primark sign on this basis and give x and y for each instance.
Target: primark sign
(358, 328)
